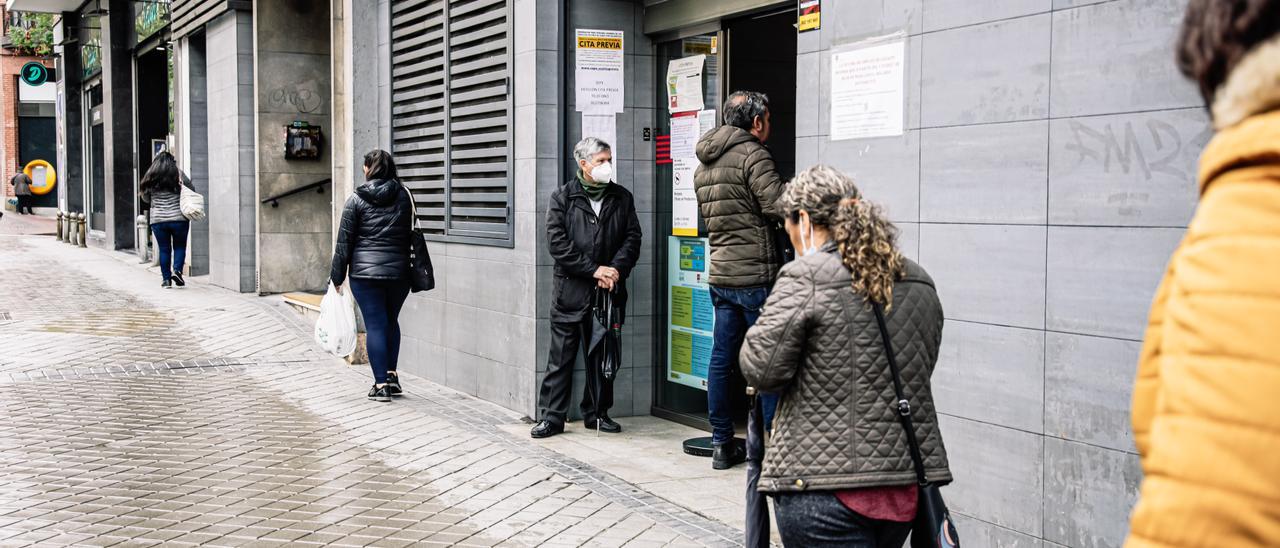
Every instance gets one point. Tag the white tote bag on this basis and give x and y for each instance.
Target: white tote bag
(191, 203)
(336, 329)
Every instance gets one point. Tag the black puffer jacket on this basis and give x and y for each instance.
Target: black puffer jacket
(581, 242)
(375, 235)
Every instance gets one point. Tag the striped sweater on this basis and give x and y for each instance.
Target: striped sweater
(166, 206)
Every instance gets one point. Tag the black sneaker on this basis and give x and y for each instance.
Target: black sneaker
(380, 393)
(728, 455)
(177, 279)
(167, 284)
(606, 425)
(393, 384)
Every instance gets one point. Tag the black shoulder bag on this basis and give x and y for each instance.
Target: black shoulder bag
(422, 276)
(932, 527)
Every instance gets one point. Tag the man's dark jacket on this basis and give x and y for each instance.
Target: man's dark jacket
(581, 242)
(375, 234)
(738, 188)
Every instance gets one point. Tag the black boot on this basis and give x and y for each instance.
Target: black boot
(728, 455)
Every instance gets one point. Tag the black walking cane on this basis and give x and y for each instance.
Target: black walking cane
(757, 525)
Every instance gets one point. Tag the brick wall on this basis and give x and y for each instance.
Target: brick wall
(10, 66)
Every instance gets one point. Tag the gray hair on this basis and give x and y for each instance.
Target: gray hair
(742, 108)
(588, 147)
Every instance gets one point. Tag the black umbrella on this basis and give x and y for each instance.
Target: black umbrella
(757, 503)
(606, 342)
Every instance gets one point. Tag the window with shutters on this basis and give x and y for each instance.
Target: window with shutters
(450, 119)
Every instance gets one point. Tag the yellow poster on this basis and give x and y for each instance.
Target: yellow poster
(810, 15)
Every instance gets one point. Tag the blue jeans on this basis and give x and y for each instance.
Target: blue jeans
(819, 519)
(171, 238)
(380, 303)
(736, 310)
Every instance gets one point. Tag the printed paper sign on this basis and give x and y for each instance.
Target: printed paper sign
(599, 71)
(690, 315)
(810, 15)
(867, 95)
(605, 128)
(684, 84)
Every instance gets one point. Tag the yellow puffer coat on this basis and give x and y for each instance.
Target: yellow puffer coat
(1206, 406)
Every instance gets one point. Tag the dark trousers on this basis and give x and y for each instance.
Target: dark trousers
(24, 202)
(553, 399)
(816, 519)
(171, 238)
(380, 303)
(737, 309)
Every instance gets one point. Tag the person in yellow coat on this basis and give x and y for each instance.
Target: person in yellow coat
(1206, 406)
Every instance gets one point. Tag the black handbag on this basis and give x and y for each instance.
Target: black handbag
(422, 276)
(932, 526)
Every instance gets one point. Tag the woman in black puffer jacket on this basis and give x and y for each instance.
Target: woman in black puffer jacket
(373, 243)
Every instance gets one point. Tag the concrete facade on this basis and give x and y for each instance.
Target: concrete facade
(1056, 141)
(232, 199)
(292, 83)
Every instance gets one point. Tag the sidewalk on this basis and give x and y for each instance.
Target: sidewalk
(134, 415)
(12, 223)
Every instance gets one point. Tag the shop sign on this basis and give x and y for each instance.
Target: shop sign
(810, 15)
(152, 15)
(34, 74)
(690, 315)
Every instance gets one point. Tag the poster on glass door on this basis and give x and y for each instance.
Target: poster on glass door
(690, 315)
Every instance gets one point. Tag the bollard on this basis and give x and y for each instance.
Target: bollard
(80, 218)
(70, 235)
(142, 235)
(59, 219)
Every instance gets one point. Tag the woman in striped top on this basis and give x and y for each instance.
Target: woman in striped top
(159, 188)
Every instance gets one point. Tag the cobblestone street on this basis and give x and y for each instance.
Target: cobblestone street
(133, 416)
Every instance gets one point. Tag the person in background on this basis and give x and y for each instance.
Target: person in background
(838, 463)
(594, 236)
(22, 191)
(738, 187)
(1206, 417)
(159, 187)
(374, 241)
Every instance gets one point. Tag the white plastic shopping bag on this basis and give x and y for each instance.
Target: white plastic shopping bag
(336, 328)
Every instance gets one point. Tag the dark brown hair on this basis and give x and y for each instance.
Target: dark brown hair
(1216, 34)
(381, 165)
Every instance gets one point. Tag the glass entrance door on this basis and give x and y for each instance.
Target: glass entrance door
(689, 92)
(96, 159)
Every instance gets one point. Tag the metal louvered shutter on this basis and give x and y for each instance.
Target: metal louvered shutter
(451, 111)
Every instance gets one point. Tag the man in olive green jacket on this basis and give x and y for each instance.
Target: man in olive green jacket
(738, 188)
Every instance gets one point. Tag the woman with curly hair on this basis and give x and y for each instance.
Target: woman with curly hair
(838, 463)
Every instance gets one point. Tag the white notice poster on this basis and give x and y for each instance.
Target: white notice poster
(684, 136)
(867, 84)
(684, 84)
(684, 201)
(598, 71)
(605, 128)
(706, 122)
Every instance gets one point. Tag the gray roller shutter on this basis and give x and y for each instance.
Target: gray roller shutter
(451, 112)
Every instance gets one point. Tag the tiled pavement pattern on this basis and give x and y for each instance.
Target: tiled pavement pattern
(134, 416)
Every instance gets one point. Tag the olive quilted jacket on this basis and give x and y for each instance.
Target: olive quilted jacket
(818, 345)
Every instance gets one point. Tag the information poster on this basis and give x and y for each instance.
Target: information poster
(690, 315)
(684, 84)
(685, 131)
(867, 84)
(599, 63)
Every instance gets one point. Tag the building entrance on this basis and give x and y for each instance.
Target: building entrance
(755, 53)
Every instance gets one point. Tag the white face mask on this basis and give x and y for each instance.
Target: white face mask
(808, 245)
(602, 173)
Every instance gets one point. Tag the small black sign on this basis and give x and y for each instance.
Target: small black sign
(648, 134)
(34, 74)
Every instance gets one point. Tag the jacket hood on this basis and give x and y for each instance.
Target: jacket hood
(1253, 87)
(380, 192)
(716, 142)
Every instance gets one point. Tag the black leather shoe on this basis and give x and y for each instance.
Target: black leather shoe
(393, 385)
(728, 455)
(177, 279)
(606, 425)
(380, 393)
(546, 429)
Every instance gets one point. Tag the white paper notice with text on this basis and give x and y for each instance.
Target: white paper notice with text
(684, 84)
(867, 90)
(599, 65)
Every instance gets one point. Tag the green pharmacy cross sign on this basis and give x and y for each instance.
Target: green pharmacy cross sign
(34, 73)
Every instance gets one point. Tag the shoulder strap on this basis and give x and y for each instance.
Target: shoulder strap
(904, 406)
